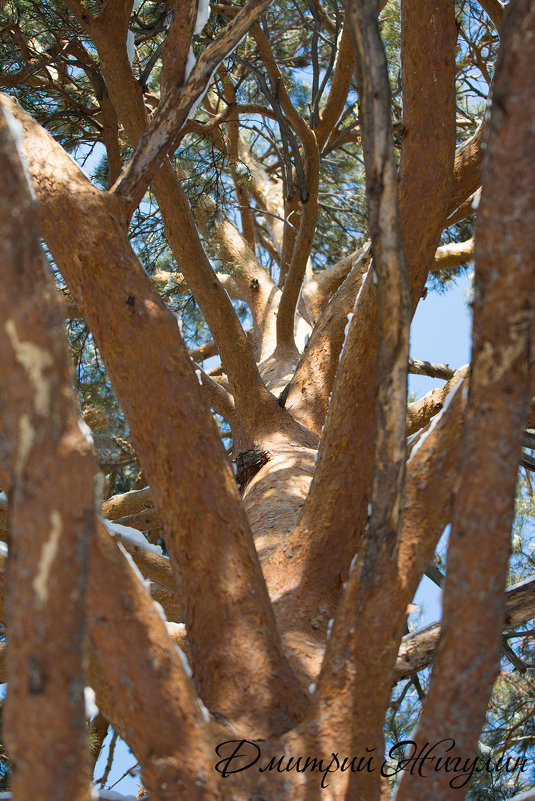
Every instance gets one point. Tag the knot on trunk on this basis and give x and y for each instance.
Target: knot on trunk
(248, 463)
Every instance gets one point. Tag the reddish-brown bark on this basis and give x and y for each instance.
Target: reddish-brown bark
(330, 529)
(164, 723)
(127, 317)
(261, 574)
(255, 404)
(51, 513)
(496, 414)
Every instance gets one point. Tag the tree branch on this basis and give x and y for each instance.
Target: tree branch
(347, 693)
(422, 411)
(310, 388)
(494, 10)
(341, 81)
(146, 673)
(253, 285)
(240, 187)
(51, 510)
(419, 367)
(449, 257)
(418, 649)
(329, 533)
(428, 78)
(467, 169)
(432, 471)
(127, 317)
(176, 106)
(177, 47)
(320, 288)
(256, 407)
(496, 415)
(292, 276)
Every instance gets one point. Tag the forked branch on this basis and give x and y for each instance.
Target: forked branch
(175, 108)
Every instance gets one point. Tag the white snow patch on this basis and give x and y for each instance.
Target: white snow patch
(91, 708)
(3, 548)
(488, 108)
(476, 199)
(369, 510)
(346, 329)
(130, 492)
(204, 710)
(130, 47)
(176, 627)
(130, 43)
(330, 627)
(26, 438)
(133, 565)
(203, 14)
(374, 276)
(160, 610)
(86, 431)
(199, 100)
(364, 279)
(131, 535)
(3, 497)
(353, 562)
(352, 314)
(48, 554)
(302, 333)
(198, 373)
(185, 664)
(311, 688)
(448, 399)
(230, 52)
(190, 63)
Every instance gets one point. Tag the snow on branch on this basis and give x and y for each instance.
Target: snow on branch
(179, 104)
(132, 656)
(132, 536)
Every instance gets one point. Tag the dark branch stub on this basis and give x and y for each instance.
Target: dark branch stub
(248, 463)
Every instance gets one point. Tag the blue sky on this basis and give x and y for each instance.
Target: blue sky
(440, 332)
